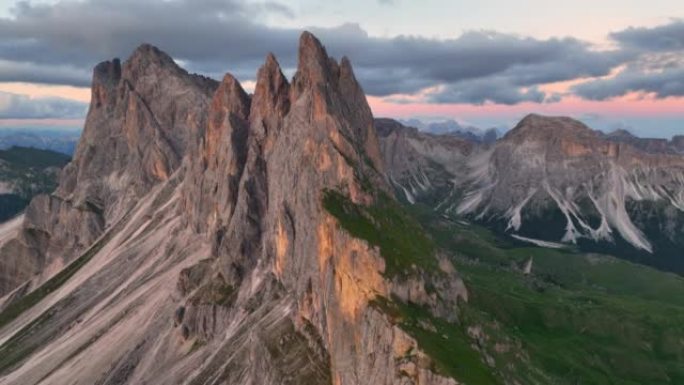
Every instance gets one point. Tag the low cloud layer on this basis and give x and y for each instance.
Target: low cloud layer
(13, 106)
(58, 44)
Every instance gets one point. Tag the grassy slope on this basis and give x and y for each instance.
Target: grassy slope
(387, 225)
(406, 248)
(577, 319)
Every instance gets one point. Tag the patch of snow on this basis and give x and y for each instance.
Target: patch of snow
(409, 196)
(539, 242)
(514, 213)
(613, 204)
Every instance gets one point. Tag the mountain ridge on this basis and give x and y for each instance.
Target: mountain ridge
(211, 243)
(601, 193)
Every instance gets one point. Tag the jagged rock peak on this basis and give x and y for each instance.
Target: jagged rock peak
(314, 66)
(107, 72)
(271, 93)
(231, 96)
(271, 64)
(311, 51)
(106, 77)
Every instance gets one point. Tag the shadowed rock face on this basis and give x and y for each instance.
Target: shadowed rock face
(421, 165)
(218, 262)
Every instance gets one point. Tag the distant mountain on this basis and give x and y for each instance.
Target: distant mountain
(650, 145)
(419, 164)
(63, 141)
(25, 173)
(452, 127)
(554, 179)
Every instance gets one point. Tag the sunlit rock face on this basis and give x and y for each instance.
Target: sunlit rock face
(210, 258)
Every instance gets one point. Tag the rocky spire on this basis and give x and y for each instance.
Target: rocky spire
(231, 97)
(106, 77)
(314, 66)
(271, 100)
(230, 103)
(210, 186)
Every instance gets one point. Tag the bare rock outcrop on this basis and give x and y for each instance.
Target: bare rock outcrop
(144, 115)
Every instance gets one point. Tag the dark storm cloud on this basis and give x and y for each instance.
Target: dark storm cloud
(215, 36)
(14, 106)
(207, 33)
(11, 71)
(668, 37)
(669, 82)
(498, 91)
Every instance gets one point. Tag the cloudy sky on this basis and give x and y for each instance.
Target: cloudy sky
(611, 63)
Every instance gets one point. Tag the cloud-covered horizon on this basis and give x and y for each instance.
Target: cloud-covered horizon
(14, 106)
(59, 44)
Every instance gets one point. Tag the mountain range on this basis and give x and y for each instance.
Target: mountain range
(452, 127)
(62, 141)
(552, 179)
(204, 235)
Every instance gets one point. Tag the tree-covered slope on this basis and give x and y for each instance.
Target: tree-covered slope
(24, 173)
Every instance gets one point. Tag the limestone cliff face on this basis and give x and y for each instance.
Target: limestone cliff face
(219, 263)
(143, 117)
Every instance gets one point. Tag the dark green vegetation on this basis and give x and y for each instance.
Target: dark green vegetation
(387, 225)
(660, 221)
(24, 173)
(33, 158)
(447, 344)
(10, 205)
(577, 318)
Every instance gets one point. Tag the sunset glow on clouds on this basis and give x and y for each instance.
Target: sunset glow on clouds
(623, 68)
